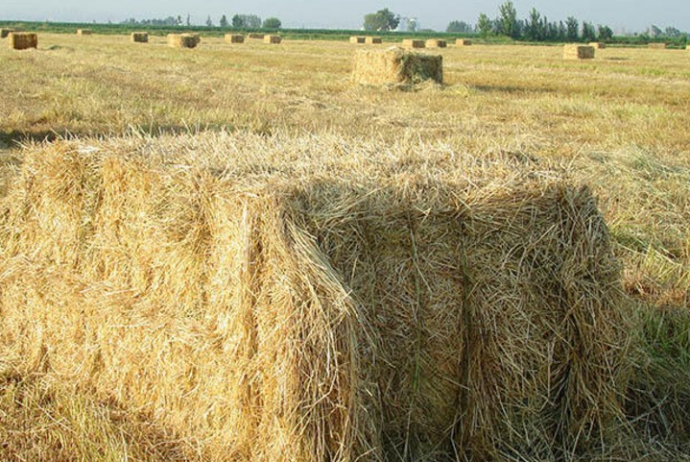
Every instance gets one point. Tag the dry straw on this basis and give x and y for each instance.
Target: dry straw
(234, 38)
(574, 51)
(274, 39)
(463, 42)
(358, 39)
(373, 40)
(598, 45)
(436, 43)
(183, 40)
(318, 299)
(22, 40)
(396, 66)
(5, 32)
(411, 43)
(657, 46)
(256, 36)
(83, 32)
(140, 37)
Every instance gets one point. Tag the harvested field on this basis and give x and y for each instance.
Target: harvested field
(396, 66)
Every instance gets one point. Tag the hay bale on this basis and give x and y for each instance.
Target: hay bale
(463, 42)
(410, 43)
(575, 51)
(234, 38)
(274, 39)
(358, 39)
(84, 32)
(656, 46)
(352, 302)
(597, 45)
(22, 40)
(373, 40)
(436, 43)
(256, 36)
(183, 40)
(140, 37)
(5, 32)
(396, 66)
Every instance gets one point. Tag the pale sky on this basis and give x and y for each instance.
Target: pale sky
(347, 14)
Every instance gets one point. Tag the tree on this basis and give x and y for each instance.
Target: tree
(189, 20)
(237, 22)
(672, 32)
(272, 23)
(507, 20)
(572, 26)
(381, 20)
(224, 21)
(589, 33)
(460, 27)
(209, 22)
(484, 25)
(654, 31)
(534, 30)
(605, 33)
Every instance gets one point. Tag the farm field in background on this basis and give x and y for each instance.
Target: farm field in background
(618, 123)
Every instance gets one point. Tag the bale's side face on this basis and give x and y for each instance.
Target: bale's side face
(22, 40)
(373, 40)
(463, 42)
(395, 66)
(410, 43)
(234, 38)
(183, 40)
(573, 51)
(435, 43)
(256, 36)
(273, 39)
(357, 39)
(140, 37)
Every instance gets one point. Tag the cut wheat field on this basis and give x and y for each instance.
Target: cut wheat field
(335, 181)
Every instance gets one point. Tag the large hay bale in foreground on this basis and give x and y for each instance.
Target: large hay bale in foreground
(274, 39)
(598, 45)
(396, 66)
(411, 43)
(574, 51)
(5, 32)
(463, 42)
(140, 37)
(278, 299)
(22, 40)
(234, 38)
(183, 40)
(84, 32)
(373, 40)
(358, 39)
(435, 43)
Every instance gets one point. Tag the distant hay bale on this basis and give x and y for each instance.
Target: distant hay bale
(22, 40)
(358, 39)
(183, 40)
(598, 45)
(234, 38)
(396, 66)
(277, 300)
(256, 36)
(5, 32)
(275, 39)
(463, 42)
(411, 43)
(140, 37)
(436, 43)
(575, 51)
(83, 32)
(657, 46)
(373, 40)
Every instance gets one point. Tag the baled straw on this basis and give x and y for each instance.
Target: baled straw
(436, 43)
(657, 46)
(463, 42)
(256, 35)
(183, 40)
(598, 45)
(234, 38)
(5, 32)
(22, 40)
(140, 37)
(373, 40)
(274, 39)
(575, 51)
(410, 43)
(396, 66)
(83, 32)
(318, 299)
(358, 39)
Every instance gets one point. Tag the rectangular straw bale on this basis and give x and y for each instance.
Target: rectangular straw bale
(83, 32)
(463, 42)
(411, 43)
(275, 39)
(657, 46)
(396, 66)
(598, 45)
(5, 32)
(234, 38)
(575, 51)
(140, 37)
(436, 43)
(358, 39)
(359, 303)
(22, 40)
(373, 40)
(256, 36)
(183, 40)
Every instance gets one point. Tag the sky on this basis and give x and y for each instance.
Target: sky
(622, 15)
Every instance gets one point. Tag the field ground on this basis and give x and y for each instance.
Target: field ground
(618, 123)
